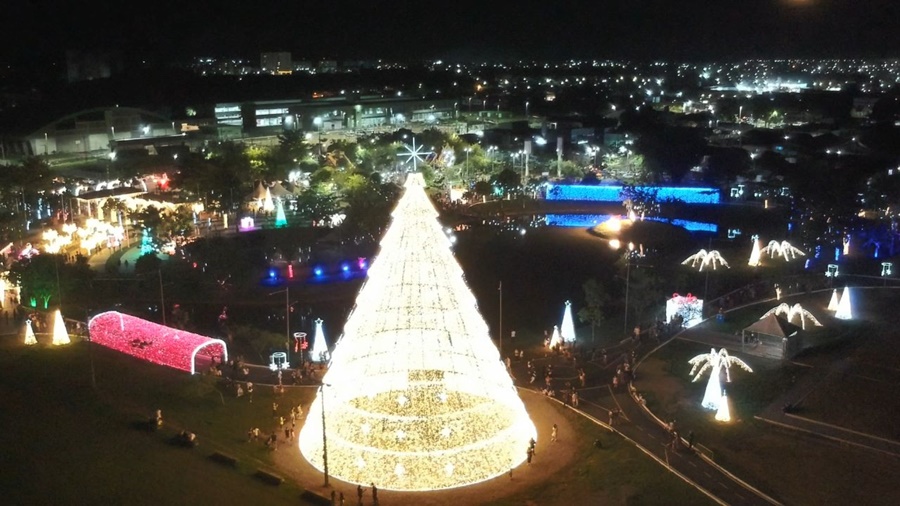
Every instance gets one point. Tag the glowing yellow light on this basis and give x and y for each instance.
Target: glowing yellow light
(60, 335)
(723, 414)
(415, 383)
(615, 244)
(29, 334)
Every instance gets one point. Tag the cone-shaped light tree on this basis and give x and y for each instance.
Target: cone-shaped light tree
(723, 414)
(29, 334)
(567, 329)
(715, 362)
(555, 338)
(835, 301)
(845, 309)
(319, 352)
(280, 219)
(60, 334)
(754, 253)
(267, 205)
(416, 397)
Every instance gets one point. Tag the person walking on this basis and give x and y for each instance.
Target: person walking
(359, 494)
(374, 495)
(553, 433)
(530, 454)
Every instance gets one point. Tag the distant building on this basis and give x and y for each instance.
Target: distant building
(328, 66)
(276, 63)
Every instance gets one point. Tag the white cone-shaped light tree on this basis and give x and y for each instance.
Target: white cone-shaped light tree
(555, 338)
(29, 334)
(268, 205)
(417, 397)
(723, 414)
(754, 253)
(834, 303)
(60, 334)
(845, 309)
(319, 352)
(715, 362)
(567, 329)
(280, 219)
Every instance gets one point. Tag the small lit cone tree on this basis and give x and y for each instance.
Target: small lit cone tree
(754, 253)
(715, 362)
(319, 351)
(845, 309)
(60, 334)
(567, 329)
(280, 219)
(416, 396)
(29, 334)
(723, 414)
(834, 303)
(268, 206)
(555, 338)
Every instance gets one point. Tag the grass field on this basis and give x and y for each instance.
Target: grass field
(68, 443)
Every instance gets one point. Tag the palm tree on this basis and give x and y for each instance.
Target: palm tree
(715, 362)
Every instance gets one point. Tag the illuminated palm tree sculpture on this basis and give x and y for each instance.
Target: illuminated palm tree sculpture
(783, 249)
(705, 258)
(789, 312)
(715, 362)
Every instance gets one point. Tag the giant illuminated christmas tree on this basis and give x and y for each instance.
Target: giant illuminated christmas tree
(416, 397)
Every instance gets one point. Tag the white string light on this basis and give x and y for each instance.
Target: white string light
(416, 397)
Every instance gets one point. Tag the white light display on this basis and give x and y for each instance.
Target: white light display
(715, 362)
(783, 249)
(723, 414)
(755, 253)
(688, 307)
(60, 334)
(705, 258)
(791, 312)
(555, 338)
(416, 334)
(845, 309)
(567, 329)
(834, 303)
(319, 352)
(267, 204)
(29, 334)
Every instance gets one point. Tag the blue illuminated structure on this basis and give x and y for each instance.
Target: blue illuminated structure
(613, 193)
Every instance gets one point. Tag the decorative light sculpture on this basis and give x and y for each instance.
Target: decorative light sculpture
(832, 271)
(706, 258)
(834, 303)
(783, 249)
(555, 338)
(60, 334)
(416, 358)
(267, 205)
(755, 253)
(688, 307)
(845, 309)
(153, 342)
(319, 352)
(723, 414)
(887, 269)
(567, 329)
(29, 334)
(280, 219)
(789, 312)
(715, 362)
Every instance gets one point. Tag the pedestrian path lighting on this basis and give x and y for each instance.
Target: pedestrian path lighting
(60, 334)
(715, 362)
(419, 398)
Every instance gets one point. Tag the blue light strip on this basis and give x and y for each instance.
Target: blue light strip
(613, 193)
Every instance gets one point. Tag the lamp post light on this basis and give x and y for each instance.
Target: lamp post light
(526, 109)
(467, 150)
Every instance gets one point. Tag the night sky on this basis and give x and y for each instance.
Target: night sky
(457, 30)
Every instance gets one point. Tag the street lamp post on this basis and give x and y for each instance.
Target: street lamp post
(467, 162)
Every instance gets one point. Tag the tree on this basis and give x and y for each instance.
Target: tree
(508, 180)
(595, 302)
(38, 277)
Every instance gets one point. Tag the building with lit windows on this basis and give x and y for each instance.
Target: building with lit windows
(276, 63)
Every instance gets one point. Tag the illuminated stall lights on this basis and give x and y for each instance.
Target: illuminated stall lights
(153, 342)
(417, 397)
(60, 334)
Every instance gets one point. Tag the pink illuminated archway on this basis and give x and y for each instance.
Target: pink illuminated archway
(152, 342)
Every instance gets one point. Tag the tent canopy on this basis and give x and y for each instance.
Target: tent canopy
(773, 325)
